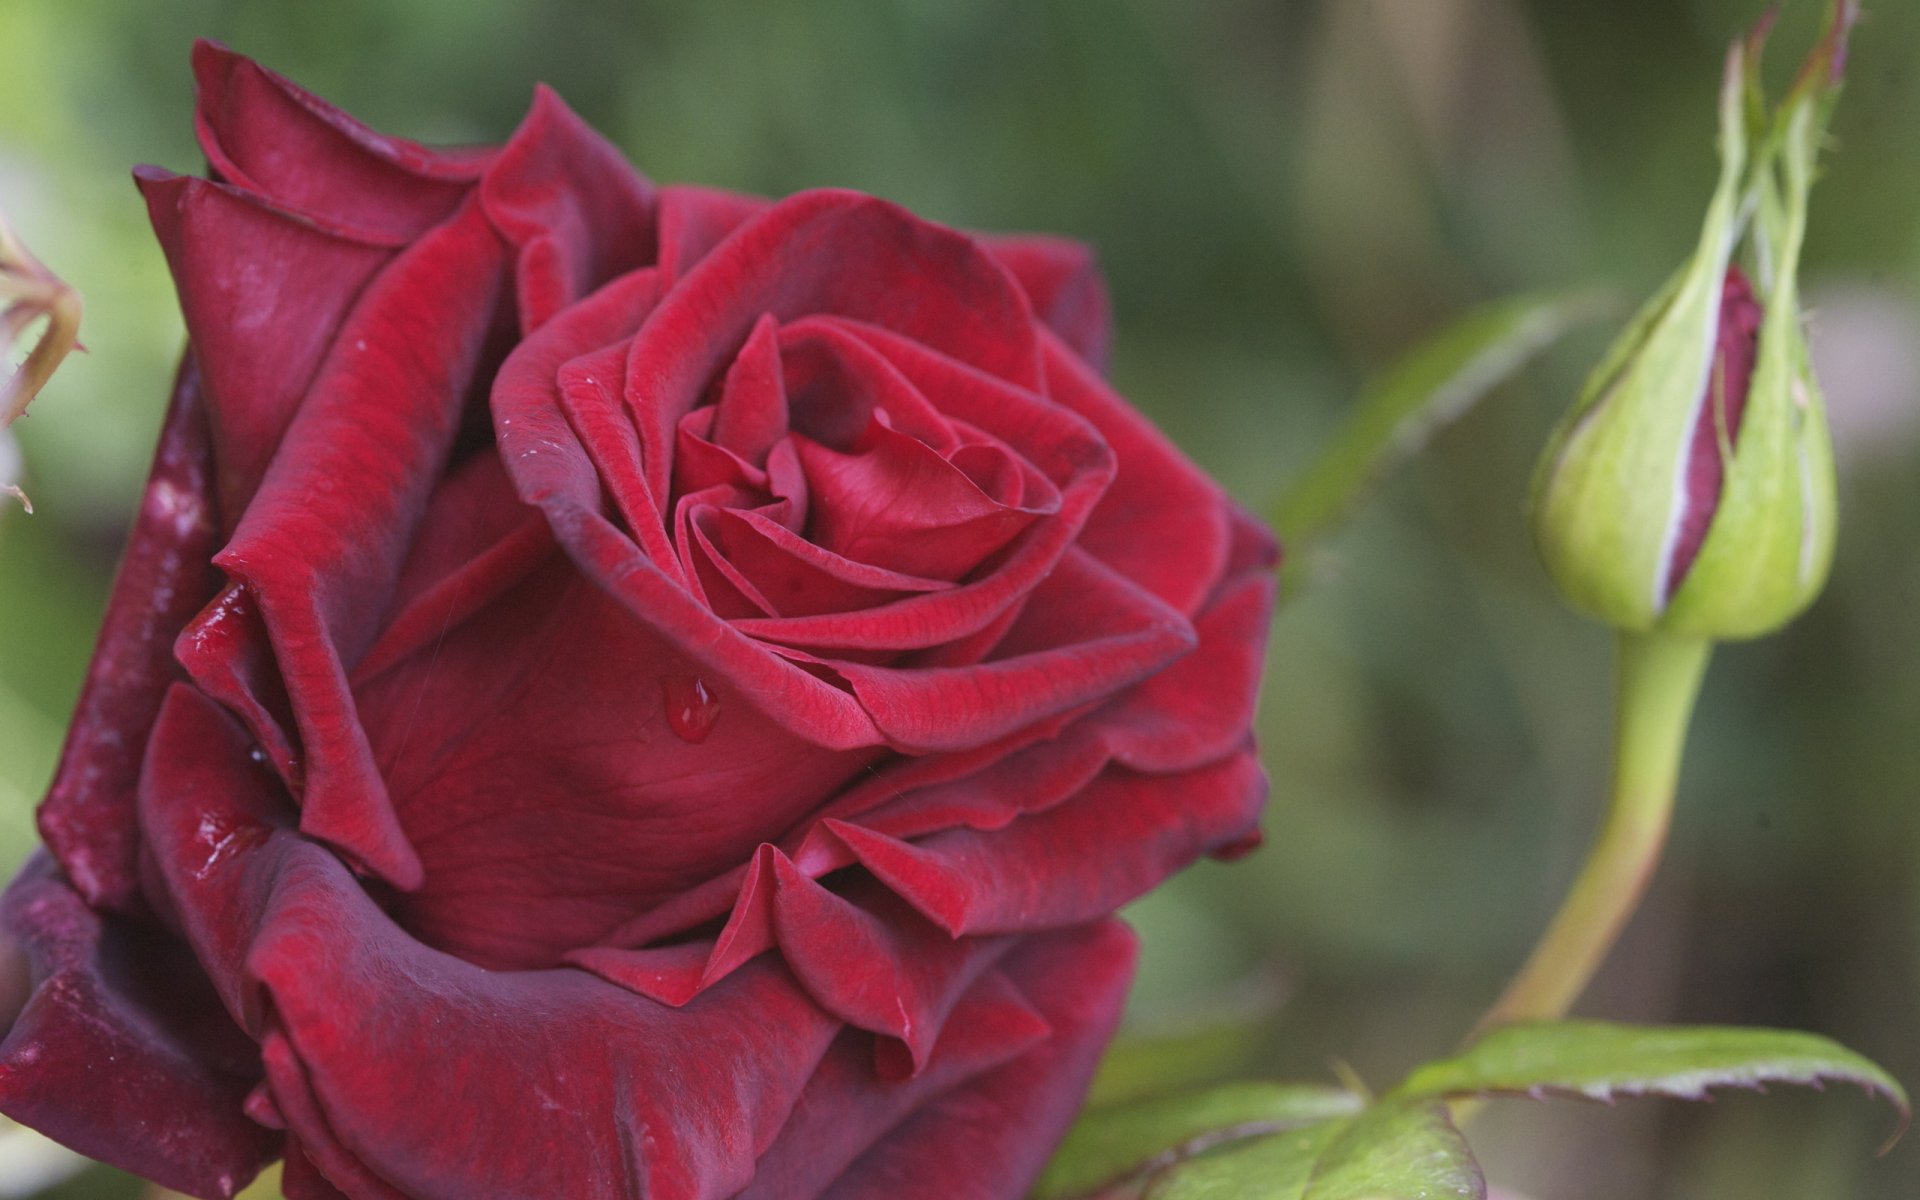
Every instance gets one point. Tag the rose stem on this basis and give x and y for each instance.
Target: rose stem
(1658, 678)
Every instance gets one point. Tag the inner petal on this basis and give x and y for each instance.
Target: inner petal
(895, 502)
(799, 577)
(837, 385)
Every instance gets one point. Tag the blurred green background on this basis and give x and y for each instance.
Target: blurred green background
(1284, 194)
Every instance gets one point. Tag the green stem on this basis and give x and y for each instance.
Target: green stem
(1658, 679)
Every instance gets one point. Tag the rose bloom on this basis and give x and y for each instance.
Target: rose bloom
(619, 691)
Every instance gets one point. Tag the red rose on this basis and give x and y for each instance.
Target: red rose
(619, 691)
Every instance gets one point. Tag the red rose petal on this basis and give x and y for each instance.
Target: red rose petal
(268, 135)
(693, 220)
(112, 992)
(751, 414)
(242, 266)
(1198, 709)
(830, 253)
(567, 198)
(1084, 634)
(1062, 279)
(1109, 844)
(164, 578)
(540, 822)
(551, 469)
(896, 503)
(1163, 523)
(982, 1132)
(1736, 349)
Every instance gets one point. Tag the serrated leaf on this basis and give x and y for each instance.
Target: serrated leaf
(1435, 383)
(1397, 1151)
(1277, 1167)
(1112, 1143)
(1600, 1060)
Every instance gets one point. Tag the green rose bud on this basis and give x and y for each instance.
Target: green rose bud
(1691, 489)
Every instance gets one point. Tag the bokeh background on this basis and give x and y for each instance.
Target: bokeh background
(1284, 195)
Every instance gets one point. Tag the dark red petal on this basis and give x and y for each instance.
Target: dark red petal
(693, 220)
(536, 768)
(552, 469)
(266, 134)
(1735, 351)
(1062, 279)
(896, 503)
(1084, 634)
(113, 994)
(263, 293)
(476, 540)
(1198, 709)
(588, 392)
(358, 1019)
(323, 541)
(827, 253)
(751, 414)
(1030, 780)
(837, 385)
(801, 578)
(578, 213)
(1163, 523)
(302, 1180)
(1114, 840)
(981, 1128)
(164, 579)
(330, 1165)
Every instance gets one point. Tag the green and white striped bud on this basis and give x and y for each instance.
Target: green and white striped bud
(1691, 489)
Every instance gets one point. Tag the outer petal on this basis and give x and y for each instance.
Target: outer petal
(985, 1135)
(264, 291)
(533, 765)
(1163, 523)
(164, 578)
(358, 1018)
(578, 213)
(322, 543)
(693, 220)
(1113, 841)
(266, 134)
(1062, 279)
(109, 991)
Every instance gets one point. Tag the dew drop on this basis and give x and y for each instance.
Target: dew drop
(691, 708)
(223, 837)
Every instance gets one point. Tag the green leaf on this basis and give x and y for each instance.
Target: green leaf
(1435, 383)
(1268, 1168)
(1397, 1151)
(1112, 1143)
(1600, 1061)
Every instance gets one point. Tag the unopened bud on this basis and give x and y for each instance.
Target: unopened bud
(1691, 490)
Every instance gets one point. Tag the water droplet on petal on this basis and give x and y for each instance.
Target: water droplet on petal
(691, 708)
(223, 836)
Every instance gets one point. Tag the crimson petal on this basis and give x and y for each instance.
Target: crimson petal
(164, 578)
(322, 543)
(1062, 279)
(578, 213)
(241, 267)
(1163, 523)
(110, 991)
(264, 133)
(983, 1133)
